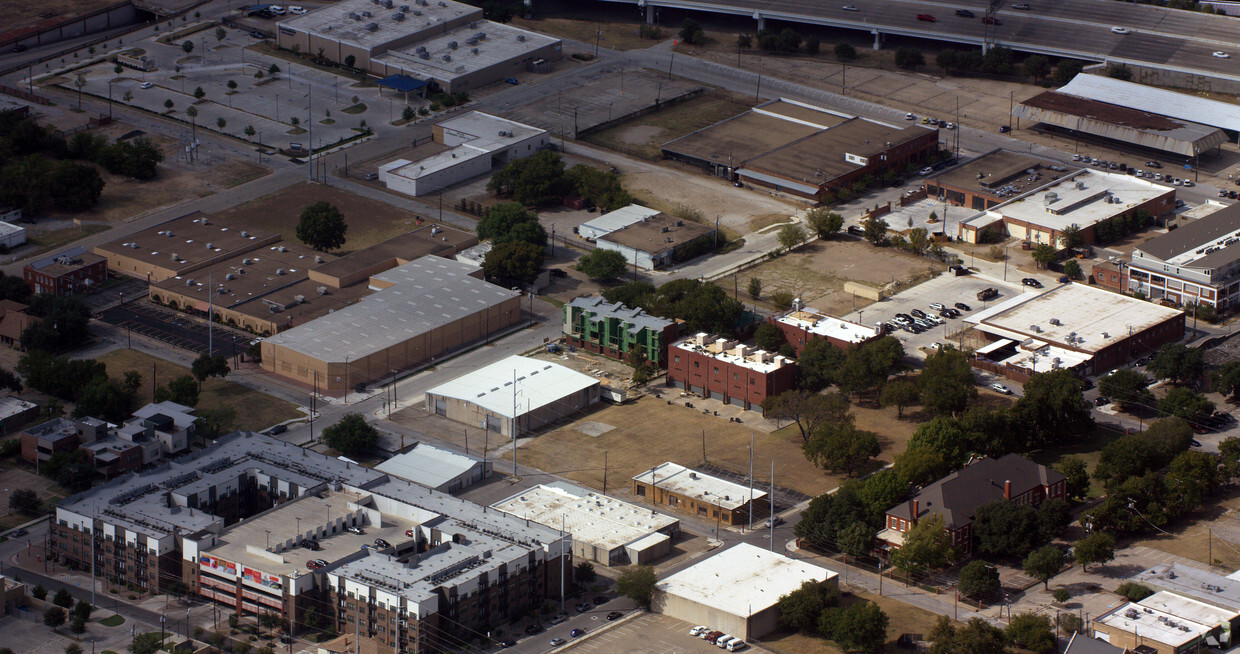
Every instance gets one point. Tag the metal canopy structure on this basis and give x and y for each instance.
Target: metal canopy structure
(403, 83)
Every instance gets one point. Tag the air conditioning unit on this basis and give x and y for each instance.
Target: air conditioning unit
(230, 277)
(279, 271)
(210, 246)
(299, 298)
(322, 290)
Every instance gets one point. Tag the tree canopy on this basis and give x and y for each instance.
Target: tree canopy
(322, 227)
(1043, 563)
(1128, 388)
(351, 435)
(1095, 547)
(637, 583)
(536, 180)
(926, 546)
(516, 261)
(62, 326)
(1177, 362)
(703, 306)
(841, 447)
(947, 382)
(602, 264)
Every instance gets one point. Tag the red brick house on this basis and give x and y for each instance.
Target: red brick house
(1011, 478)
(728, 371)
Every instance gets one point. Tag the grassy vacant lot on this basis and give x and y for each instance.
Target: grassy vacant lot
(901, 618)
(816, 272)
(643, 135)
(610, 35)
(1210, 535)
(370, 221)
(650, 431)
(255, 409)
(1088, 447)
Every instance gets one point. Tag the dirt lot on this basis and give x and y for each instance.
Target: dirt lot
(1211, 536)
(610, 35)
(255, 410)
(370, 221)
(13, 477)
(20, 13)
(643, 135)
(636, 438)
(902, 618)
(816, 273)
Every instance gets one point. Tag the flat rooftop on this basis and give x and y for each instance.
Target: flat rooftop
(733, 353)
(657, 233)
(1203, 585)
(1152, 129)
(683, 481)
(537, 384)
(247, 276)
(418, 242)
(593, 518)
(819, 158)
(245, 543)
(193, 239)
(428, 293)
(335, 21)
(1083, 198)
(819, 323)
(740, 138)
(743, 580)
(1195, 610)
(482, 133)
(799, 111)
(460, 52)
(1153, 624)
(636, 318)
(1096, 318)
(988, 173)
(429, 465)
(1187, 244)
(620, 218)
(65, 262)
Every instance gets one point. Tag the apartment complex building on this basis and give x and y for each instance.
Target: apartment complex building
(404, 565)
(800, 325)
(154, 432)
(728, 371)
(614, 330)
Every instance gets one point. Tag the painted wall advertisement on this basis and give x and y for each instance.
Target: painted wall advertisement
(218, 564)
(271, 581)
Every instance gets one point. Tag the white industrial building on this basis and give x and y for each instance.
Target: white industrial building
(11, 235)
(515, 395)
(605, 530)
(437, 468)
(477, 143)
(736, 590)
(611, 221)
(658, 240)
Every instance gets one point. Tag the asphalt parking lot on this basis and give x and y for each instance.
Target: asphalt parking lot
(174, 328)
(652, 633)
(947, 289)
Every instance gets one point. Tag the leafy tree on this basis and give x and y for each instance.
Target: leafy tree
(602, 264)
(1032, 632)
(855, 539)
(1193, 477)
(351, 435)
(1053, 409)
(215, 423)
(1065, 70)
(926, 546)
(349, 60)
(974, 637)
(1076, 470)
(535, 181)
(74, 648)
(199, 93)
(947, 383)
(920, 466)
(62, 325)
(517, 261)
(808, 410)
(187, 46)
(83, 609)
(13, 287)
(1072, 269)
(1053, 516)
(899, 393)
(1045, 254)
(979, 580)
(909, 58)
(947, 59)
(74, 186)
(817, 364)
(182, 390)
(1229, 457)
(1037, 67)
(1134, 591)
(845, 52)
(77, 625)
(824, 223)
(1177, 362)
(273, 69)
(26, 501)
(220, 122)
(1127, 387)
(769, 337)
(1135, 454)
(1007, 529)
(812, 45)
(600, 187)
(1095, 547)
(54, 616)
(691, 32)
(790, 236)
(744, 41)
(584, 572)
(801, 608)
(1185, 403)
(39, 592)
(1226, 379)
(637, 583)
(104, 398)
(138, 158)
(704, 307)
(875, 230)
(841, 446)
(1043, 563)
(149, 642)
(322, 226)
(754, 288)
(859, 627)
(945, 436)
(59, 376)
(220, 34)
(408, 113)
(210, 366)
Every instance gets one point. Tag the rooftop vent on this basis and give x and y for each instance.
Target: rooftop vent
(398, 17)
(424, 55)
(367, 14)
(322, 290)
(283, 249)
(372, 27)
(452, 45)
(387, 4)
(354, 16)
(475, 51)
(210, 246)
(404, 7)
(245, 234)
(520, 37)
(275, 308)
(247, 262)
(175, 256)
(230, 276)
(279, 271)
(447, 57)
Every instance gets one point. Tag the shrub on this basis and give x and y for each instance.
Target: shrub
(782, 300)
(1134, 591)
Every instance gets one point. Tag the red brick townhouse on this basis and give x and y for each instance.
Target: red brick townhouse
(728, 371)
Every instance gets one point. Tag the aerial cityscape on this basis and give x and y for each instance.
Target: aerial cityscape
(619, 326)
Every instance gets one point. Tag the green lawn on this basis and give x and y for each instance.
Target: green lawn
(113, 621)
(1088, 446)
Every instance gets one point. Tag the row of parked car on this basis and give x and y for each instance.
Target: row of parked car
(718, 638)
(1133, 170)
(918, 321)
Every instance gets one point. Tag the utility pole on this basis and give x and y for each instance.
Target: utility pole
(605, 452)
(770, 501)
(751, 481)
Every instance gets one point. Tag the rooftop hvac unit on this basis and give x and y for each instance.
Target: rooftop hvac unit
(475, 51)
(424, 55)
(387, 4)
(221, 291)
(175, 257)
(471, 41)
(372, 27)
(354, 16)
(210, 246)
(417, 12)
(404, 7)
(452, 45)
(283, 249)
(481, 36)
(275, 308)
(680, 223)
(241, 271)
(245, 234)
(442, 3)
(520, 37)
(247, 262)
(664, 229)
(318, 259)
(279, 271)
(398, 17)
(189, 282)
(447, 57)
(1054, 321)
(322, 290)
(299, 298)
(1080, 186)
(367, 14)
(230, 276)
(420, 3)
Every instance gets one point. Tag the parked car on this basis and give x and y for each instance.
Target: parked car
(937, 306)
(850, 8)
(615, 615)
(1221, 55)
(986, 294)
(512, 80)
(17, 533)
(257, 34)
(582, 607)
(558, 618)
(1119, 30)
(557, 641)
(855, 230)
(370, 177)
(354, 530)
(277, 429)
(925, 171)
(313, 564)
(382, 544)
(534, 629)
(1023, 6)
(1101, 401)
(1031, 282)
(964, 13)
(295, 10)
(20, 47)
(991, 20)
(962, 306)
(577, 632)
(910, 117)
(918, 313)
(1153, 164)
(1004, 129)
(926, 17)
(600, 600)
(1000, 388)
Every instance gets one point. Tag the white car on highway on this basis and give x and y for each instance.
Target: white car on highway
(1120, 30)
(1222, 55)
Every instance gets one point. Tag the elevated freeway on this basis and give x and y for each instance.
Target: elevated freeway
(1159, 39)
